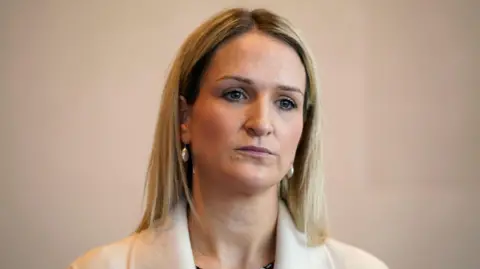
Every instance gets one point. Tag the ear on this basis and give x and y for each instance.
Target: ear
(184, 113)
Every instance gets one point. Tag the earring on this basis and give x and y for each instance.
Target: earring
(185, 155)
(290, 172)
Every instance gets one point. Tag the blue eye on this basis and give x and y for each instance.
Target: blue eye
(234, 95)
(286, 104)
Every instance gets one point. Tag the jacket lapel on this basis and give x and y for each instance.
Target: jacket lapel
(292, 250)
(183, 248)
(165, 246)
(291, 245)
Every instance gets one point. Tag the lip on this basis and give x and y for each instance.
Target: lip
(256, 150)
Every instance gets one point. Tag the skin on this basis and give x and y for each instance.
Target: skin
(252, 94)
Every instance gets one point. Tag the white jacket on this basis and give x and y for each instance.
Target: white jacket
(168, 247)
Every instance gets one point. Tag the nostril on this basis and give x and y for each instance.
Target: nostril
(259, 129)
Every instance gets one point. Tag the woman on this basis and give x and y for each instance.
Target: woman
(235, 177)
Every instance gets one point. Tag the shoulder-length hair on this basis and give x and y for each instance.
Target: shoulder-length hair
(169, 178)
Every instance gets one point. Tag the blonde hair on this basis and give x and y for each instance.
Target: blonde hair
(169, 179)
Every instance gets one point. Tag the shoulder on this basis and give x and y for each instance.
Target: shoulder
(155, 247)
(111, 256)
(350, 257)
(139, 250)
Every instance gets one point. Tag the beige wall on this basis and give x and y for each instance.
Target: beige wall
(80, 86)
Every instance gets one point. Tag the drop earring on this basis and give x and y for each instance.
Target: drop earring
(185, 155)
(290, 172)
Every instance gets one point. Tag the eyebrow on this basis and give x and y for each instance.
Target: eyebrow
(250, 82)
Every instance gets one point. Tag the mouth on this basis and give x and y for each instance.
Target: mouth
(256, 151)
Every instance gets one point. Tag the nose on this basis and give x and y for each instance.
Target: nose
(259, 122)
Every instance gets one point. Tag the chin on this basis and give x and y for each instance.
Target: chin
(253, 180)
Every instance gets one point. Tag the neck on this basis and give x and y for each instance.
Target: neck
(233, 231)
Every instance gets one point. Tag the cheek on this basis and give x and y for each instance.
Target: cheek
(211, 128)
(290, 137)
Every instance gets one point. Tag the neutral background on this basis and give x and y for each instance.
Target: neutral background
(80, 87)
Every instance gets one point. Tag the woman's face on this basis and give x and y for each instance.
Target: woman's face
(247, 121)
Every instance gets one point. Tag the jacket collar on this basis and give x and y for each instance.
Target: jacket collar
(168, 246)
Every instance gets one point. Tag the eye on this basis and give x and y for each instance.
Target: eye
(234, 95)
(286, 104)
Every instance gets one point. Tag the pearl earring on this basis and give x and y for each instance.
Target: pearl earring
(290, 172)
(185, 155)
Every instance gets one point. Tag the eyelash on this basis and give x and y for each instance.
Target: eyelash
(228, 96)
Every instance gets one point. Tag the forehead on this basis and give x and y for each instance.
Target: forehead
(260, 58)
